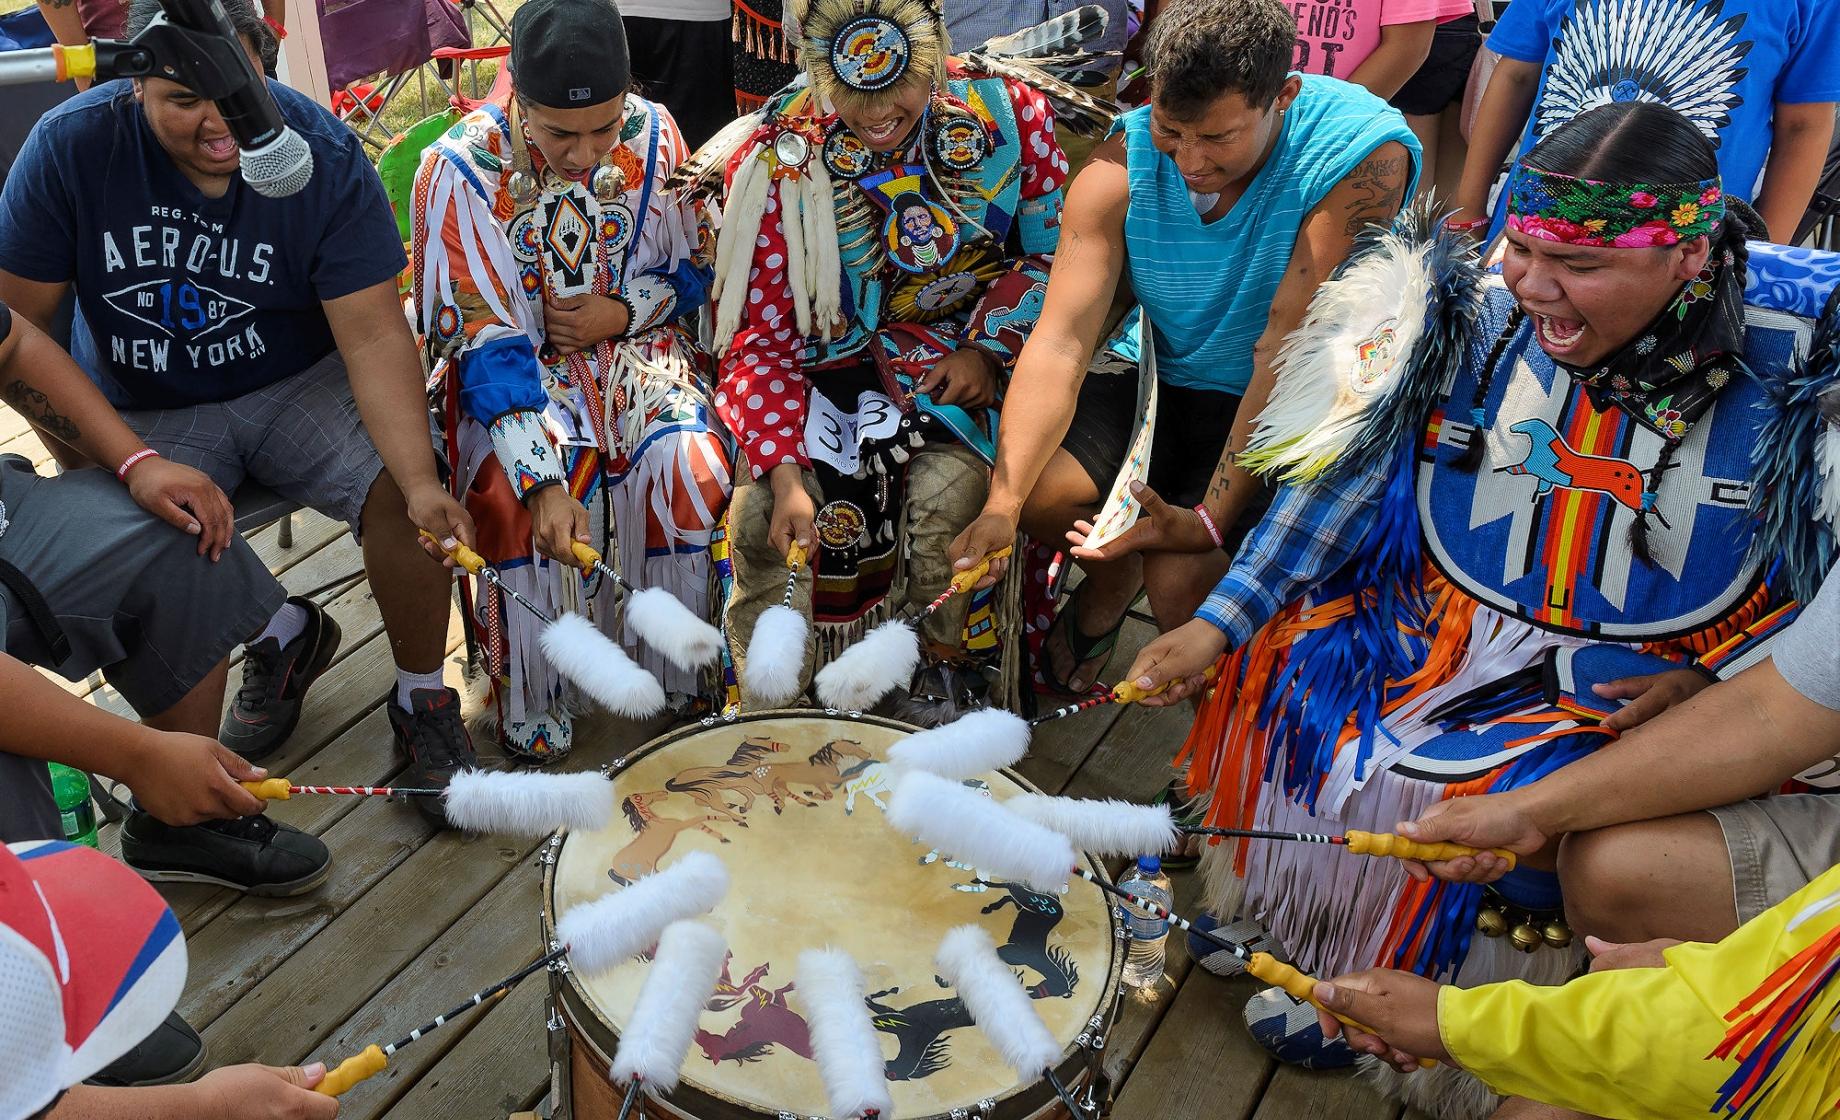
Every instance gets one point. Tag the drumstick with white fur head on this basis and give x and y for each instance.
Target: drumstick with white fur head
(1016, 839)
(660, 619)
(886, 657)
(578, 650)
(516, 802)
(596, 936)
(663, 1022)
(843, 1036)
(776, 651)
(968, 960)
(1118, 828)
(973, 829)
(973, 744)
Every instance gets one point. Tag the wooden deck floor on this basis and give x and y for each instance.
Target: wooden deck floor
(413, 919)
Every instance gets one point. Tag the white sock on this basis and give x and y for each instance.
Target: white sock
(407, 683)
(289, 623)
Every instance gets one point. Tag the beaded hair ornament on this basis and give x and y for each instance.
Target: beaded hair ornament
(1571, 211)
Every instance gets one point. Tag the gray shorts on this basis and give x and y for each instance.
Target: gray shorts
(300, 437)
(132, 596)
(1778, 845)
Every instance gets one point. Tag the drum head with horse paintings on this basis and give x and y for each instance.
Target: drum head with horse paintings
(793, 804)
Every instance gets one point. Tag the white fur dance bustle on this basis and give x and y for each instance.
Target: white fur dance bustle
(973, 829)
(973, 744)
(843, 1036)
(775, 654)
(674, 630)
(603, 933)
(884, 660)
(528, 804)
(599, 667)
(683, 977)
(997, 1002)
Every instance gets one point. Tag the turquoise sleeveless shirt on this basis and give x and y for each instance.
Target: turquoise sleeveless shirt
(1207, 288)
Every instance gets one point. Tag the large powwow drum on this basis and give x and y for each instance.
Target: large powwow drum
(793, 804)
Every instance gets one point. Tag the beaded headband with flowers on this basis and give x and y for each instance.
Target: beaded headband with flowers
(1572, 211)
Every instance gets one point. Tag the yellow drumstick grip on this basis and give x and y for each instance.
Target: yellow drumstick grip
(1127, 692)
(962, 582)
(1399, 847)
(584, 555)
(462, 555)
(270, 789)
(795, 555)
(1300, 987)
(367, 1063)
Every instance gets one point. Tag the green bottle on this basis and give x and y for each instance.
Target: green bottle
(71, 789)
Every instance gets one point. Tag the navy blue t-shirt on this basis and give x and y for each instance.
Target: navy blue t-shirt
(191, 299)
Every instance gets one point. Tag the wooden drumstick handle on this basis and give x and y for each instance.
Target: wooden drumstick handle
(1303, 989)
(270, 789)
(366, 1063)
(462, 555)
(584, 555)
(1388, 844)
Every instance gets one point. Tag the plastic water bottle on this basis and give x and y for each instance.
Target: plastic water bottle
(71, 790)
(1143, 964)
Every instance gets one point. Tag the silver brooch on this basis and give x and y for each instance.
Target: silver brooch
(521, 187)
(607, 183)
(791, 150)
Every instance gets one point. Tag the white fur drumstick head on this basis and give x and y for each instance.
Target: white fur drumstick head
(1104, 827)
(528, 804)
(663, 622)
(663, 1021)
(882, 661)
(973, 829)
(975, 743)
(604, 933)
(600, 668)
(843, 1036)
(998, 1005)
(775, 654)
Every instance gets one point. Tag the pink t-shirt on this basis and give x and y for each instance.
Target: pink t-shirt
(1336, 36)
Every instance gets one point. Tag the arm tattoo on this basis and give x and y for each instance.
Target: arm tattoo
(36, 407)
(1379, 183)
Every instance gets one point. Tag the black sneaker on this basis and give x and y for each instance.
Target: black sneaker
(171, 1054)
(942, 692)
(275, 681)
(437, 743)
(254, 854)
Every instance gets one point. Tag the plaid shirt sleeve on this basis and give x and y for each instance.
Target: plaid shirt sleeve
(1306, 536)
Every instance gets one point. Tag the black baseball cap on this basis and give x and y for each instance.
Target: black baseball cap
(569, 54)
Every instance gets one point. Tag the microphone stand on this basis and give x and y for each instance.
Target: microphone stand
(205, 63)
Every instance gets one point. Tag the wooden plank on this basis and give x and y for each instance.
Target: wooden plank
(500, 1067)
(1133, 761)
(488, 943)
(1057, 749)
(254, 936)
(1200, 1061)
(346, 961)
(29, 445)
(1323, 1095)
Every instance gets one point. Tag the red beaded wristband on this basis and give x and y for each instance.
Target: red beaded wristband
(1207, 520)
(121, 472)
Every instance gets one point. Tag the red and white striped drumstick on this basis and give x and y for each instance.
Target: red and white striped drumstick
(962, 581)
(1124, 692)
(280, 789)
(490, 801)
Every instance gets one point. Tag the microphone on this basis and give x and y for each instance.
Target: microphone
(276, 160)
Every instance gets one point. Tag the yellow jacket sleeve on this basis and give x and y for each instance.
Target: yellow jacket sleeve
(1637, 1044)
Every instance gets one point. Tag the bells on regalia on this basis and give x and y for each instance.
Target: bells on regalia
(1527, 933)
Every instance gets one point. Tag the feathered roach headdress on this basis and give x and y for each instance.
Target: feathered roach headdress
(854, 50)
